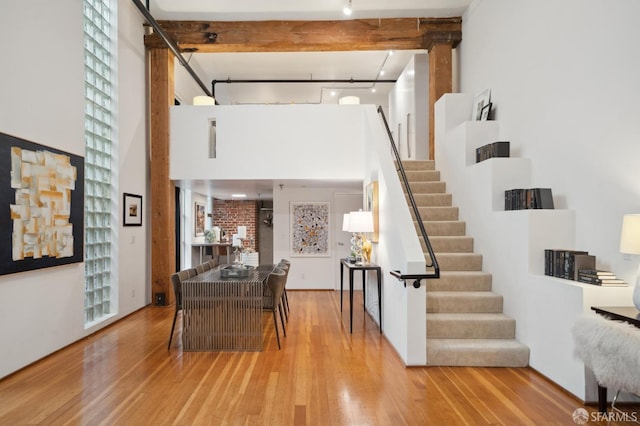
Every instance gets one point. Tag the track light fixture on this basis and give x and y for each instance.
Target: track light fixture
(347, 8)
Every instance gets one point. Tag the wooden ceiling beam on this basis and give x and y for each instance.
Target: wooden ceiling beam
(309, 36)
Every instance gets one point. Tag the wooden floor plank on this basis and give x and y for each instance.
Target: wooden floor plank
(323, 374)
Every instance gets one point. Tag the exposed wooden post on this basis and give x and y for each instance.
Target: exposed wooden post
(162, 224)
(440, 82)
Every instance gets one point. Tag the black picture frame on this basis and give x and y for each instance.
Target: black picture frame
(131, 209)
(39, 257)
(486, 110)
(479, 102)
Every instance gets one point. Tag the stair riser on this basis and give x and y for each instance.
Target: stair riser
(428, 176)
(443, 228)
(427, 187)
(490, 304)
(459, 261)
(478, 282)
(449, 244)
(517, 357)
(438, 213)
(431, 200)
(419, 165)
(502, 328)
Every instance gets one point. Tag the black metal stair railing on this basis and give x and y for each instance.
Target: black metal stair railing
(433, 262)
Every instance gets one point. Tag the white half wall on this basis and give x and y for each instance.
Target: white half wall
(268, 142)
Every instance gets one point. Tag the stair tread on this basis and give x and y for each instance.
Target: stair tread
(470, 316)
(462, 274)
(475, 343)
(464, 294)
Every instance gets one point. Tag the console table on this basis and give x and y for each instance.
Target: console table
(203, 246)
(617, 313)
(355, 267)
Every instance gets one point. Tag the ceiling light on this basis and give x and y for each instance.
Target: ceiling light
(204, 100)
(381, 72)
(349, 100)
(333, 93)
(373, 90)
(238, 195)
(347, 8)
(390, 52)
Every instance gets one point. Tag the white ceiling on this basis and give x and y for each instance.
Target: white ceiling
(362, 65)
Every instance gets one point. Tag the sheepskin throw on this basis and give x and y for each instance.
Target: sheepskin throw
(611, 349)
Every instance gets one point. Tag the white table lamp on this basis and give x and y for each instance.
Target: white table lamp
(630, 244)
(359, 223)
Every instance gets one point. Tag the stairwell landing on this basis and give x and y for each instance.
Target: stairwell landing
(465, 322)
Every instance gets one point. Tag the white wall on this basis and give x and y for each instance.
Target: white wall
(307, 273)
(544, 86)
(410, 97)
(567, 98)
(43, 101)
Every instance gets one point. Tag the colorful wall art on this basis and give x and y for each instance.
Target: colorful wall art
(310, 229)
(42, 196)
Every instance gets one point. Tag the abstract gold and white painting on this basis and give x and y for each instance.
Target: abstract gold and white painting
(43, 191)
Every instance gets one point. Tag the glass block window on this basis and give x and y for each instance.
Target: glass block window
(99, 21)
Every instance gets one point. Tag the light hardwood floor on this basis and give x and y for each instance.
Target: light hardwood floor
(323, 375)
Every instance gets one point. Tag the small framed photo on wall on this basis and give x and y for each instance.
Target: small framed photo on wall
(132, 210)
(199, 215)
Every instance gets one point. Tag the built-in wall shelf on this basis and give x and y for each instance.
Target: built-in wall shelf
(512, 243)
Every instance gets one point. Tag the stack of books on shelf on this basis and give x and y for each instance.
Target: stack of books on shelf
(598, 277)
(565, 264)
(534, 198)
(495, 149)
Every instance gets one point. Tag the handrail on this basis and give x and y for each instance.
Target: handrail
(416, 212)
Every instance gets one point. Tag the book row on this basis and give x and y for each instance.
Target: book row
(533, 198)
(579, 266)
(495, 149)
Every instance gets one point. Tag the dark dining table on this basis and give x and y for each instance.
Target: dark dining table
(224, 313)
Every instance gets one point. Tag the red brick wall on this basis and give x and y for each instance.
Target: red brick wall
(229, 214)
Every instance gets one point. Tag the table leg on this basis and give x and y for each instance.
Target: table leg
(602, 399)
(378, 272)
(341, 276)
(350, 300)
(364, 292)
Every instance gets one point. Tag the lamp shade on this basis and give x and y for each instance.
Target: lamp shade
(630, 234)
(242, 232)
(360, 221)
(345, 222)
(204, 100)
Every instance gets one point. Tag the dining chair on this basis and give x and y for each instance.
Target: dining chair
(203, 267)
(176, 282)
(286, 265)
(275, 282)
(285, 302)
(212, 263)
